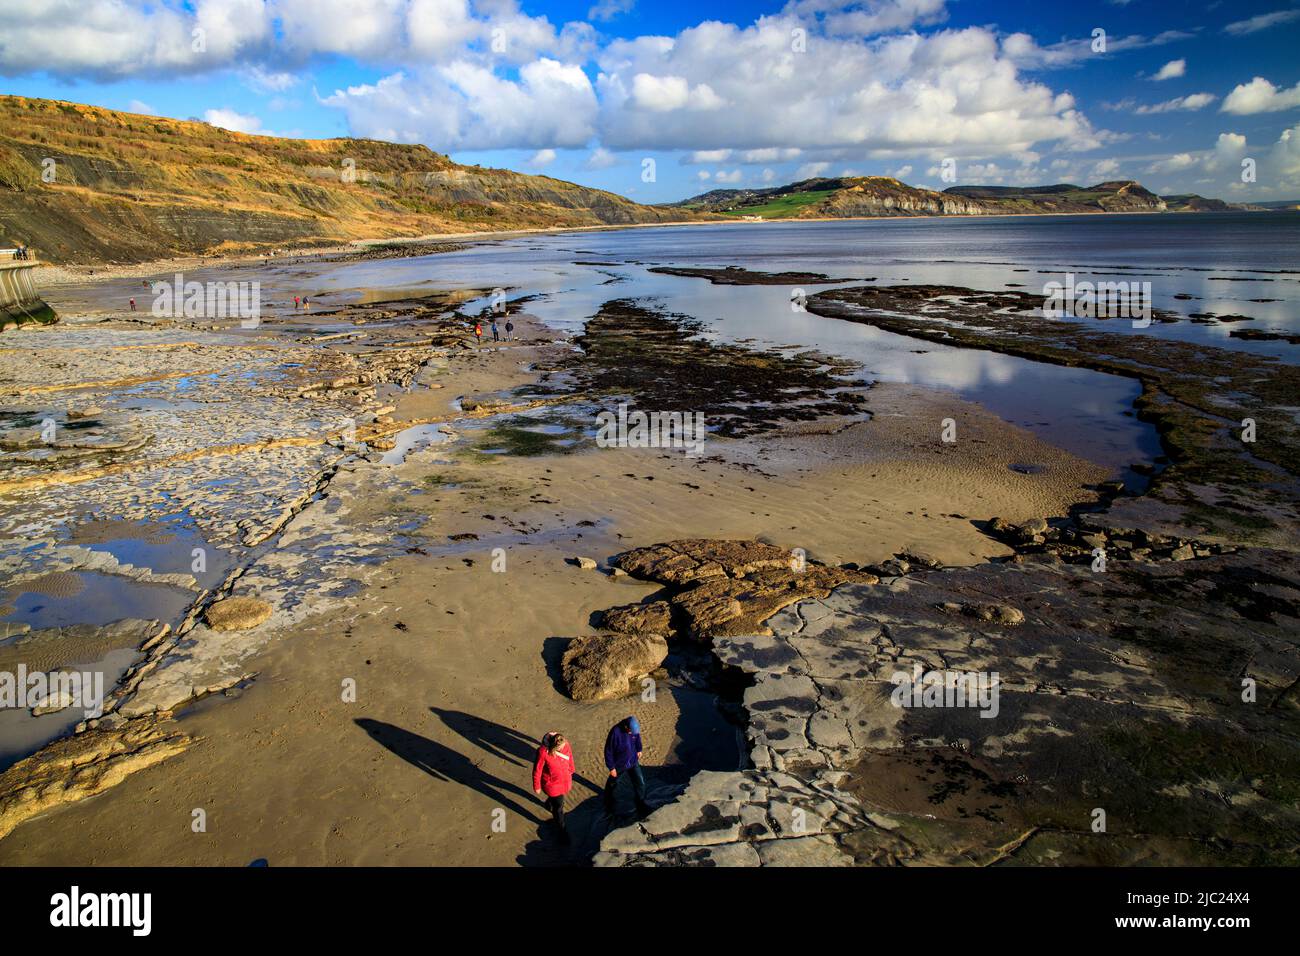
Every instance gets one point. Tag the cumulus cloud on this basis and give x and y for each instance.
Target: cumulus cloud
(468, 106)
(1277, 166)
(1193, 101)
(109, 39)
(951, 93)
(1171, 70)
(1260, 96)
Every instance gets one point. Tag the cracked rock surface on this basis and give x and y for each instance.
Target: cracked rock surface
(1163, 695)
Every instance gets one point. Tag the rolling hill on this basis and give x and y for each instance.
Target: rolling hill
(131, 188)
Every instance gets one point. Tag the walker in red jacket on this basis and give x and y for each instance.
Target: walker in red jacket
(553, 775)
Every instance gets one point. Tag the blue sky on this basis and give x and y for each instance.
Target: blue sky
(1181, 96)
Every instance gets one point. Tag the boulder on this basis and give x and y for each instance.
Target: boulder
(237, 613)
(602, 667)
(587, 564)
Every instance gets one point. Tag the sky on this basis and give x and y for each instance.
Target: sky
(659, 100)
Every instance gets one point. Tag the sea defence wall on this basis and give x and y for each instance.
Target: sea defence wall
(19, 300)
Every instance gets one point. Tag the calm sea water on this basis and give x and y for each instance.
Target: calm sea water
(1227, 261)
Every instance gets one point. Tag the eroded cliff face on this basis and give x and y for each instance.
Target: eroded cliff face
(83, 184)
(880, 196)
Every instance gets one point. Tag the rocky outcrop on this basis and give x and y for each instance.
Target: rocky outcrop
(652, 618)
(731, 587)
(78, 767)
(602, 667)
(1113, 697)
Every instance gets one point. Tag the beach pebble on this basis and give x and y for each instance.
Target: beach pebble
(587, 564)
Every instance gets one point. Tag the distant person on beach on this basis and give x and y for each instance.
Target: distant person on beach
(306, 304)
(133, 305)
(478, 332)
(553, 776)
(623, 757)
(296, 302)
(495, 335)
(510, 328)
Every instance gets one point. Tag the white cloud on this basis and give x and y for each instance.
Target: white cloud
(1024, 51)
(724, 177)
(1175, 163)
(600, 158)
(231, 120)
(708, 156)
(606, 10)
(1219, 168)
(1193, 101)
(1261, 22)
(810, 171)
(139, 106)
(902, 172)
(771, 154)
(265, 81)
(1105, 169)
(949, 93)
(542, 158)
(660, 94)
(467, 106)
(1171, 70)
(109, 39)
(1260, 96)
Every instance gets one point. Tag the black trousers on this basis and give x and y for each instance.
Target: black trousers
(556, 806)
(638, 786)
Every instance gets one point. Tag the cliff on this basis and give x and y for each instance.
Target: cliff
(866, 196)
(84, 184)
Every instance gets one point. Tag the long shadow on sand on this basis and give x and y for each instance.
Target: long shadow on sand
(443, 763)
(586, 821)
(500, 741)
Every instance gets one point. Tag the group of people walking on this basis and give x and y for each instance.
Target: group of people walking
(496, 332)
(553, 770)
